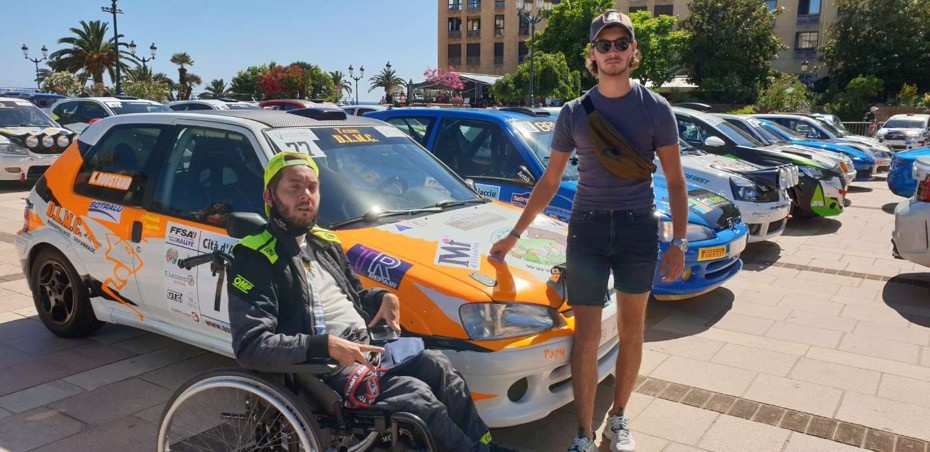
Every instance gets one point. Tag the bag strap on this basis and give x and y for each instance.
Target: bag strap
(587, 103)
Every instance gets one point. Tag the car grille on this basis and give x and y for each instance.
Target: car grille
(718, 268)
(36, 171)
(894, 136)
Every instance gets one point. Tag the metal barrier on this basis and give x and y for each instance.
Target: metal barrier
(857, 127)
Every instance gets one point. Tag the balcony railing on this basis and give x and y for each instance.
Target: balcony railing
(454, 34)
(455, 61)
(804, 54)
(498, 60)
(473, 34)
(808, 19)
(498, 32)
(473, 61)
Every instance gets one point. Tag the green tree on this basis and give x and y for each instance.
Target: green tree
(567, 33)
(907, 97)
(551, 78)
(783, 93)
(152, 89)
(389, 81)
(660, 45)
(217, 88)
(245, 84)
(317, 83)
(887, 39)
(62, 82)
(340, 83)
(730, 49)
(852, 103)
(89, 51)
(185, 85)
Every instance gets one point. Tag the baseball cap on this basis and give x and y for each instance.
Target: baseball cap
(283, 160)
(611, 18)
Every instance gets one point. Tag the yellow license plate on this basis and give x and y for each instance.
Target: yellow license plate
(709, 254)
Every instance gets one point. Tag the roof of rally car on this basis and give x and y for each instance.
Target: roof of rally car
(274, 118)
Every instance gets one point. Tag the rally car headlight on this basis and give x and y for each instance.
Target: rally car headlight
(63, 141)
(488, 321)
(48, 141)
(13, 149)
(695, 232)
(743, 189)
(810, 171)
(31, 142)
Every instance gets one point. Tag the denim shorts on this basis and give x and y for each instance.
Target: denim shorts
(623, 241)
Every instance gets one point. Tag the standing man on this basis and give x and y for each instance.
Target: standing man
(872, 120)
(617, 128)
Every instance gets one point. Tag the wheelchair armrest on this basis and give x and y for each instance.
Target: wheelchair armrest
(317, 366)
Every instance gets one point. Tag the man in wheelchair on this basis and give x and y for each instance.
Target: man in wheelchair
(294, 298)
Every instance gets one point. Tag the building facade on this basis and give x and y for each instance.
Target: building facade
(488, 36)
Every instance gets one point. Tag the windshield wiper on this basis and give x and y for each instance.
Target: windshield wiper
(374, 215)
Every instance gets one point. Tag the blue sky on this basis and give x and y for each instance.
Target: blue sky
(226, 36)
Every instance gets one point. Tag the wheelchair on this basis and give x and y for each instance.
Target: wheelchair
(242, 410)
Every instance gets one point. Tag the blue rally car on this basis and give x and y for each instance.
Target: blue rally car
(901, 176)
(504, 153)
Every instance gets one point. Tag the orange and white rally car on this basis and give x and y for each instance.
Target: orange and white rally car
(106, 225)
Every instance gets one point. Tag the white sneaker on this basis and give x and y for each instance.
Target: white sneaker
(618, 432)
(582, 443)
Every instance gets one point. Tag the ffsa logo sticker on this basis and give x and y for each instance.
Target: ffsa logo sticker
(377, 266)
(456, 253)
(181, 236)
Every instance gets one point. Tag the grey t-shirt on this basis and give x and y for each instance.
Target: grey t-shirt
(643, 117)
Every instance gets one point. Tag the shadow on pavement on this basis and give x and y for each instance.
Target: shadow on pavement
(12, 187)
(909, 295)
(667, 320)
(858, 189)
(760, 256)
(806, 227)
(889, 208)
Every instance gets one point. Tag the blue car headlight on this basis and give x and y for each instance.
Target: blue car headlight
(696, 232)
(743, 189)
(489, 321)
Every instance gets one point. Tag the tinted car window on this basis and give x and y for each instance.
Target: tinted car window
(116, 169)
(90, 110)
(66, 112)
(477, 149)
(209, 174)
(416, 128)
(181, 107)
(691, 132)
(123, 107)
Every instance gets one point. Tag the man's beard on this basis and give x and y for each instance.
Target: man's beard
(285, 219)
(613, 71)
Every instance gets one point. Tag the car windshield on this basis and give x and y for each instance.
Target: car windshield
(741, 138)
(365, 171)
(686, 149)
(766, 134)
(781, 130)
(123, 107)
(832, 129)
(538, 136)
(21, 113)
(898, 123)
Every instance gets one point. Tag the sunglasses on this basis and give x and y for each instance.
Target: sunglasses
(603, 45)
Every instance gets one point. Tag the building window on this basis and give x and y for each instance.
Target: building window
(455, 54)
(498, 53)
(664, 10)
(473, 54)
(474, 5)
(633, 9)
(524, 27)
(522, 51)
(499, 25)
(473, 27)
(498, 4)
(455, 27)
(808, 7)
(771, 4)
(455, 5)
(806, 40)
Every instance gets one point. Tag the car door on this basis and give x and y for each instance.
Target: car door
(483, 152)
(209, 171)
(113, 182)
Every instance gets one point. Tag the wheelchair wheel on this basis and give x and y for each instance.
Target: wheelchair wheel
(236, 410)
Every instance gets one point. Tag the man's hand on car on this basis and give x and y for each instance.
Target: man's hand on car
(347, 353)
(389, 312)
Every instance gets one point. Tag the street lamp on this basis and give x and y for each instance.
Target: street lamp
(114, 10)
(525, 9)
(361, 75)
(389, 98)
(152, 48)
(35, 60)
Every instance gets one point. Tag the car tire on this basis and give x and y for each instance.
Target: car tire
(60, 296)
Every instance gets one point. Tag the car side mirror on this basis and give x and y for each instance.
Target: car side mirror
(242, 224)
(524, 174)
(714, 142)
(471, 184)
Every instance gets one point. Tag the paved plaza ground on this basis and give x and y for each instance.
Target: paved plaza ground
(821, 343)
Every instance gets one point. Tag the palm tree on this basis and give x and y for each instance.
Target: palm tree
(184, 85)
(89, 51)
(388, 80)
(139, 74)
(341, 83)
(217, 88)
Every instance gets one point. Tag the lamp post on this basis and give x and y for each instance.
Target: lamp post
(152, 48)
(534, 12)
(361, 75)
(114, 10)
(35, 60)
(389, 92)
